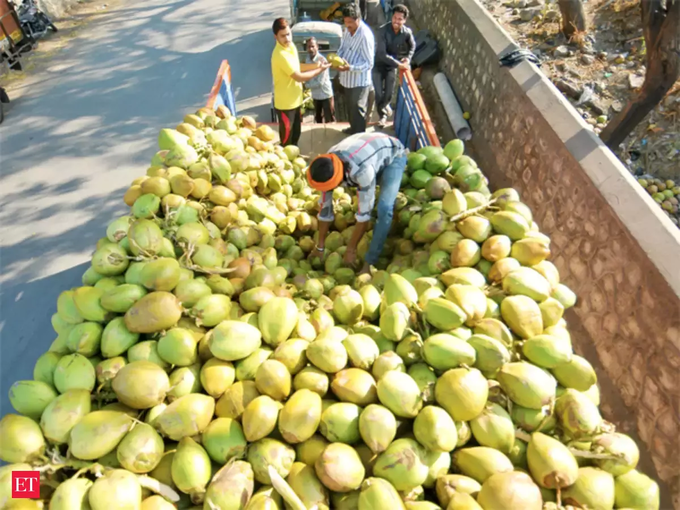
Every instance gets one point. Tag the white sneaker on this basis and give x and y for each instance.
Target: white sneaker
(388, 110)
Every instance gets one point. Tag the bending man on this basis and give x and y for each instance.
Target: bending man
(363, 161)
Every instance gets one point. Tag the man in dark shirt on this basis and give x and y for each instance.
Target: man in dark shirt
(395, 46)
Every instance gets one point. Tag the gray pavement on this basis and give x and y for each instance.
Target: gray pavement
(78, 132)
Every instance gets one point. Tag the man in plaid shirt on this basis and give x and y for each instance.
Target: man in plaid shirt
(363, 161)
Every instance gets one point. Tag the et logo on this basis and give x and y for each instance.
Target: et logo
(25, 484)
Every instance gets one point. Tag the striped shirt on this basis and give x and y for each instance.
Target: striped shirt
(367, 154)
(320, 85)
(359, 52)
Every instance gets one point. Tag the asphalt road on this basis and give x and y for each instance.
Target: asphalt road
(82, 129)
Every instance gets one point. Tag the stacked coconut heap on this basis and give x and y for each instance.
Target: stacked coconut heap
(208, 362)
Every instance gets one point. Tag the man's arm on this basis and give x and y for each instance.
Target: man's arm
(310, 66)
(411, 41)
(293, 69)
(303, 76)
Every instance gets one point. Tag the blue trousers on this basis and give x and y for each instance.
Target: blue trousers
(389, 180)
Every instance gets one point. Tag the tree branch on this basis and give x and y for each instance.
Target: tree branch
(661, 26)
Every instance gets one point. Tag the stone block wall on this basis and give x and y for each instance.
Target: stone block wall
(612, 245)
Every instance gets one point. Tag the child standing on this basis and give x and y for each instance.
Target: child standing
(321, 87)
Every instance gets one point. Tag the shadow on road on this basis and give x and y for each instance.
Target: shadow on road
(80, 130)
(85, 127)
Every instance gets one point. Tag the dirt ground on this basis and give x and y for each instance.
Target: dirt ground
(599, 72)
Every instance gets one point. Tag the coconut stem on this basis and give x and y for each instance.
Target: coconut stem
(597, 456)
(559, 496)
(473, 211)
(520, 434)
(159, 488)
(544, 421)
(285, 490)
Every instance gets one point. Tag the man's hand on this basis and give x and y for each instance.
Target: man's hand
(344, 68)
(366, 269)
(324, 65)
(404, 66)
(350, 256)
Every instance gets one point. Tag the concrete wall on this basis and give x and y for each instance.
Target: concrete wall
(611, 243)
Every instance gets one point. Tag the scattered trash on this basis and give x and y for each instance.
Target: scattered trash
(635, 81)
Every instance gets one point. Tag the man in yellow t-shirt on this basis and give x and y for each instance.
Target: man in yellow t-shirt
(289, 75)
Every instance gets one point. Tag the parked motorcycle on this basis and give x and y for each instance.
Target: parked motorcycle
(34, 22)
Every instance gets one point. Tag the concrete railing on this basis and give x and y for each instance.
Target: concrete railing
(612, 244)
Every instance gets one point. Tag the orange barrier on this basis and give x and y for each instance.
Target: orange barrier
(412, 122)
(221, 92)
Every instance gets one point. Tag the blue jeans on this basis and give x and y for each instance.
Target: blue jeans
(389, 180)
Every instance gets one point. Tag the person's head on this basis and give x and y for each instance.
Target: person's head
(351, 15)
(312, 47)
(399, 16)
(282, 32)
(326, 172)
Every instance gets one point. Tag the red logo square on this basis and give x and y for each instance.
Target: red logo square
(26, 484)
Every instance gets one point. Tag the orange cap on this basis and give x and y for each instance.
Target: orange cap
(335, 179)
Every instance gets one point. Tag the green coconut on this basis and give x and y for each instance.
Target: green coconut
(400, 394)
(340, 423)
(435, 430)
(98, 433)
(87, 301)
(110, 260)
(45, 366)
(594, 489)
(117, 485)
(21, 439)
(577, 414)
(141, 449)
(74, 371)
(636, 490)
(260, 417)
(494, 428)
(377, 493)
(462, 392)
(402, 464)
(443, 352)
(481, 462)
(269, 452)
(155, 312)
(339, 468)
(577, 374)
(31, 398)
(187, 416)
(141, 385)
(72, 494)
(224, 440)
(527, 385)
(510, 491)
(551, 463)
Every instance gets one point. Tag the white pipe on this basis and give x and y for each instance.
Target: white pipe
(452, 107)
